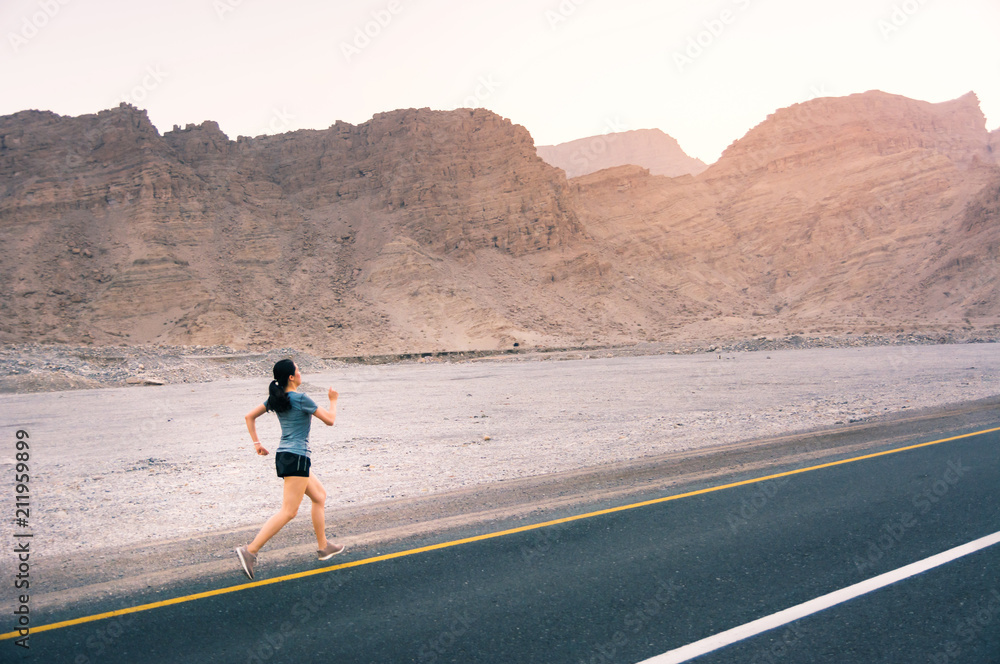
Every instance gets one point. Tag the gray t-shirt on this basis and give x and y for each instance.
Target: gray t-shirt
(295, 424)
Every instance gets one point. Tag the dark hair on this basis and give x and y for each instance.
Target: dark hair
(279, 401)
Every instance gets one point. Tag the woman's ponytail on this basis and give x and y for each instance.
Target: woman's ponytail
(278, 399)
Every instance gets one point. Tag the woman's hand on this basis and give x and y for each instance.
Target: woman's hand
(327, 417)
(260, 449)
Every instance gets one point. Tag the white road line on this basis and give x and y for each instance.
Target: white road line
(772, 621)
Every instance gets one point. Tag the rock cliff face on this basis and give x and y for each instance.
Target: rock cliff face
(964, 274)
(650, 148)
(422, 231)
(838, 214)
(190, 237)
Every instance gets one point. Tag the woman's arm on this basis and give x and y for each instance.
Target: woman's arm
(251, 419)
(328, 417)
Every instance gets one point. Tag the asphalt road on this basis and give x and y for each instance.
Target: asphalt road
(628, 585)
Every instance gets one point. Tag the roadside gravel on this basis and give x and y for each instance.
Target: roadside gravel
(36, 367)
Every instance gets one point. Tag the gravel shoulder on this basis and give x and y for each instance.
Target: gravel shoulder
(121, 471)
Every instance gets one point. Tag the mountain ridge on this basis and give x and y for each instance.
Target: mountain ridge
(426, 230)
(649, 148)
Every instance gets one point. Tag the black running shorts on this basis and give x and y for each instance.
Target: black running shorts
(289, 464)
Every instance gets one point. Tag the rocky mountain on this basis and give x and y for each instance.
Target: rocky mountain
(833, 215)
(356, 238)
(421, 231)
(652, 149)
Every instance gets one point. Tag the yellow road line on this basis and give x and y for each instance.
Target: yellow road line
(477, 538)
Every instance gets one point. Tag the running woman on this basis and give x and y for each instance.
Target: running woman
(295, 411)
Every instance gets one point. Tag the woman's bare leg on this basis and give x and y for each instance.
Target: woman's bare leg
(295, 488)
(317, 494)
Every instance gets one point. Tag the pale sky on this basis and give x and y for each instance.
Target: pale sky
(703, 72)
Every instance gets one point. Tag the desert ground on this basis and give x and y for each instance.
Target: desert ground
(123, 466)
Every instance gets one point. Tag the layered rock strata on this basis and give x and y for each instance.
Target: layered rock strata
(190, 237)
(427, 231)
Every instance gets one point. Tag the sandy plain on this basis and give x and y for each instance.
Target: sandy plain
(119, 469)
